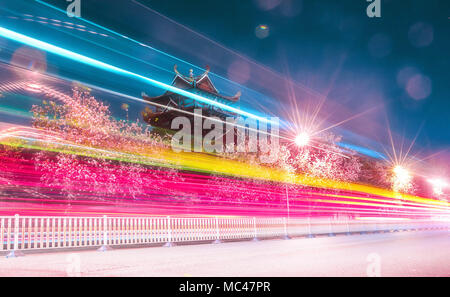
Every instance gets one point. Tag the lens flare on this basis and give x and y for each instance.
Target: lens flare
(302, 139)
(438, 186)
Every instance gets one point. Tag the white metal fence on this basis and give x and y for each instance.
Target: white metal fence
(31, 233)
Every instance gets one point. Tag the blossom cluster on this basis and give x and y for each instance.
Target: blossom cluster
(83, 120)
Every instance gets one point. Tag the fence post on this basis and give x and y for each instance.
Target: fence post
(348, 225)
(286, 235)
(217, 232)
(105, 246)
(255, 233)
(310, 235)
(15, 252)
(330, 233)
(169, 242)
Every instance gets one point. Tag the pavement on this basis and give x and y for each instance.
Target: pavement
(420, 253)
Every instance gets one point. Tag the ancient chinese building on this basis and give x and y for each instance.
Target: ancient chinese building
(169, 105)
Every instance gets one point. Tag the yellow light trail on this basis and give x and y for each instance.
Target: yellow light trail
(209, 163)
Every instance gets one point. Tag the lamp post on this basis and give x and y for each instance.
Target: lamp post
(286, 236)
(301, 140)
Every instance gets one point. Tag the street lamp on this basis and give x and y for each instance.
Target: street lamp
(401, 174)
(438, 185)
(302, 139)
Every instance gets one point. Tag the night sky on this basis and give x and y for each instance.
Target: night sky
(336, 44)
(397, 63)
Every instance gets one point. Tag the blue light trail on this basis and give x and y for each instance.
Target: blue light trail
(107, 67)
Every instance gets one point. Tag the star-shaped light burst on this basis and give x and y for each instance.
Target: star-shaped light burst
(438, 185)
(302, 139)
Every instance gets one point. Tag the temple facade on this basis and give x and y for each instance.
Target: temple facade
(166, 107)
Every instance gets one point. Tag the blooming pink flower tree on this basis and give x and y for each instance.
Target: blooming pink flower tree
(85, 121)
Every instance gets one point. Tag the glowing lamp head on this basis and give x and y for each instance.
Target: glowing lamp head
(401, 173)
(302, 139)
(399, 170)
(438, 186)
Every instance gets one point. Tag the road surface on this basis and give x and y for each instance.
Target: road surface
(422, 253)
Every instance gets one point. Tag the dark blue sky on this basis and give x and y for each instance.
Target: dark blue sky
(322, 38)
(399, 61)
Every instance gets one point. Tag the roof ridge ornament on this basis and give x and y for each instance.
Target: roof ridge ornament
(206, 71)
(191, 72)
(198, 82)
(175, 68)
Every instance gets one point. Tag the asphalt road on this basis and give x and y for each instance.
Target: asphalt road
(421, 253)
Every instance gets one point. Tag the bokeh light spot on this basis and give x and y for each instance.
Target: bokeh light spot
(419, 87)
(262, 31)
(267, 4)
(29, 58)
(405, 74)
(421, 34)
(239, 71)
